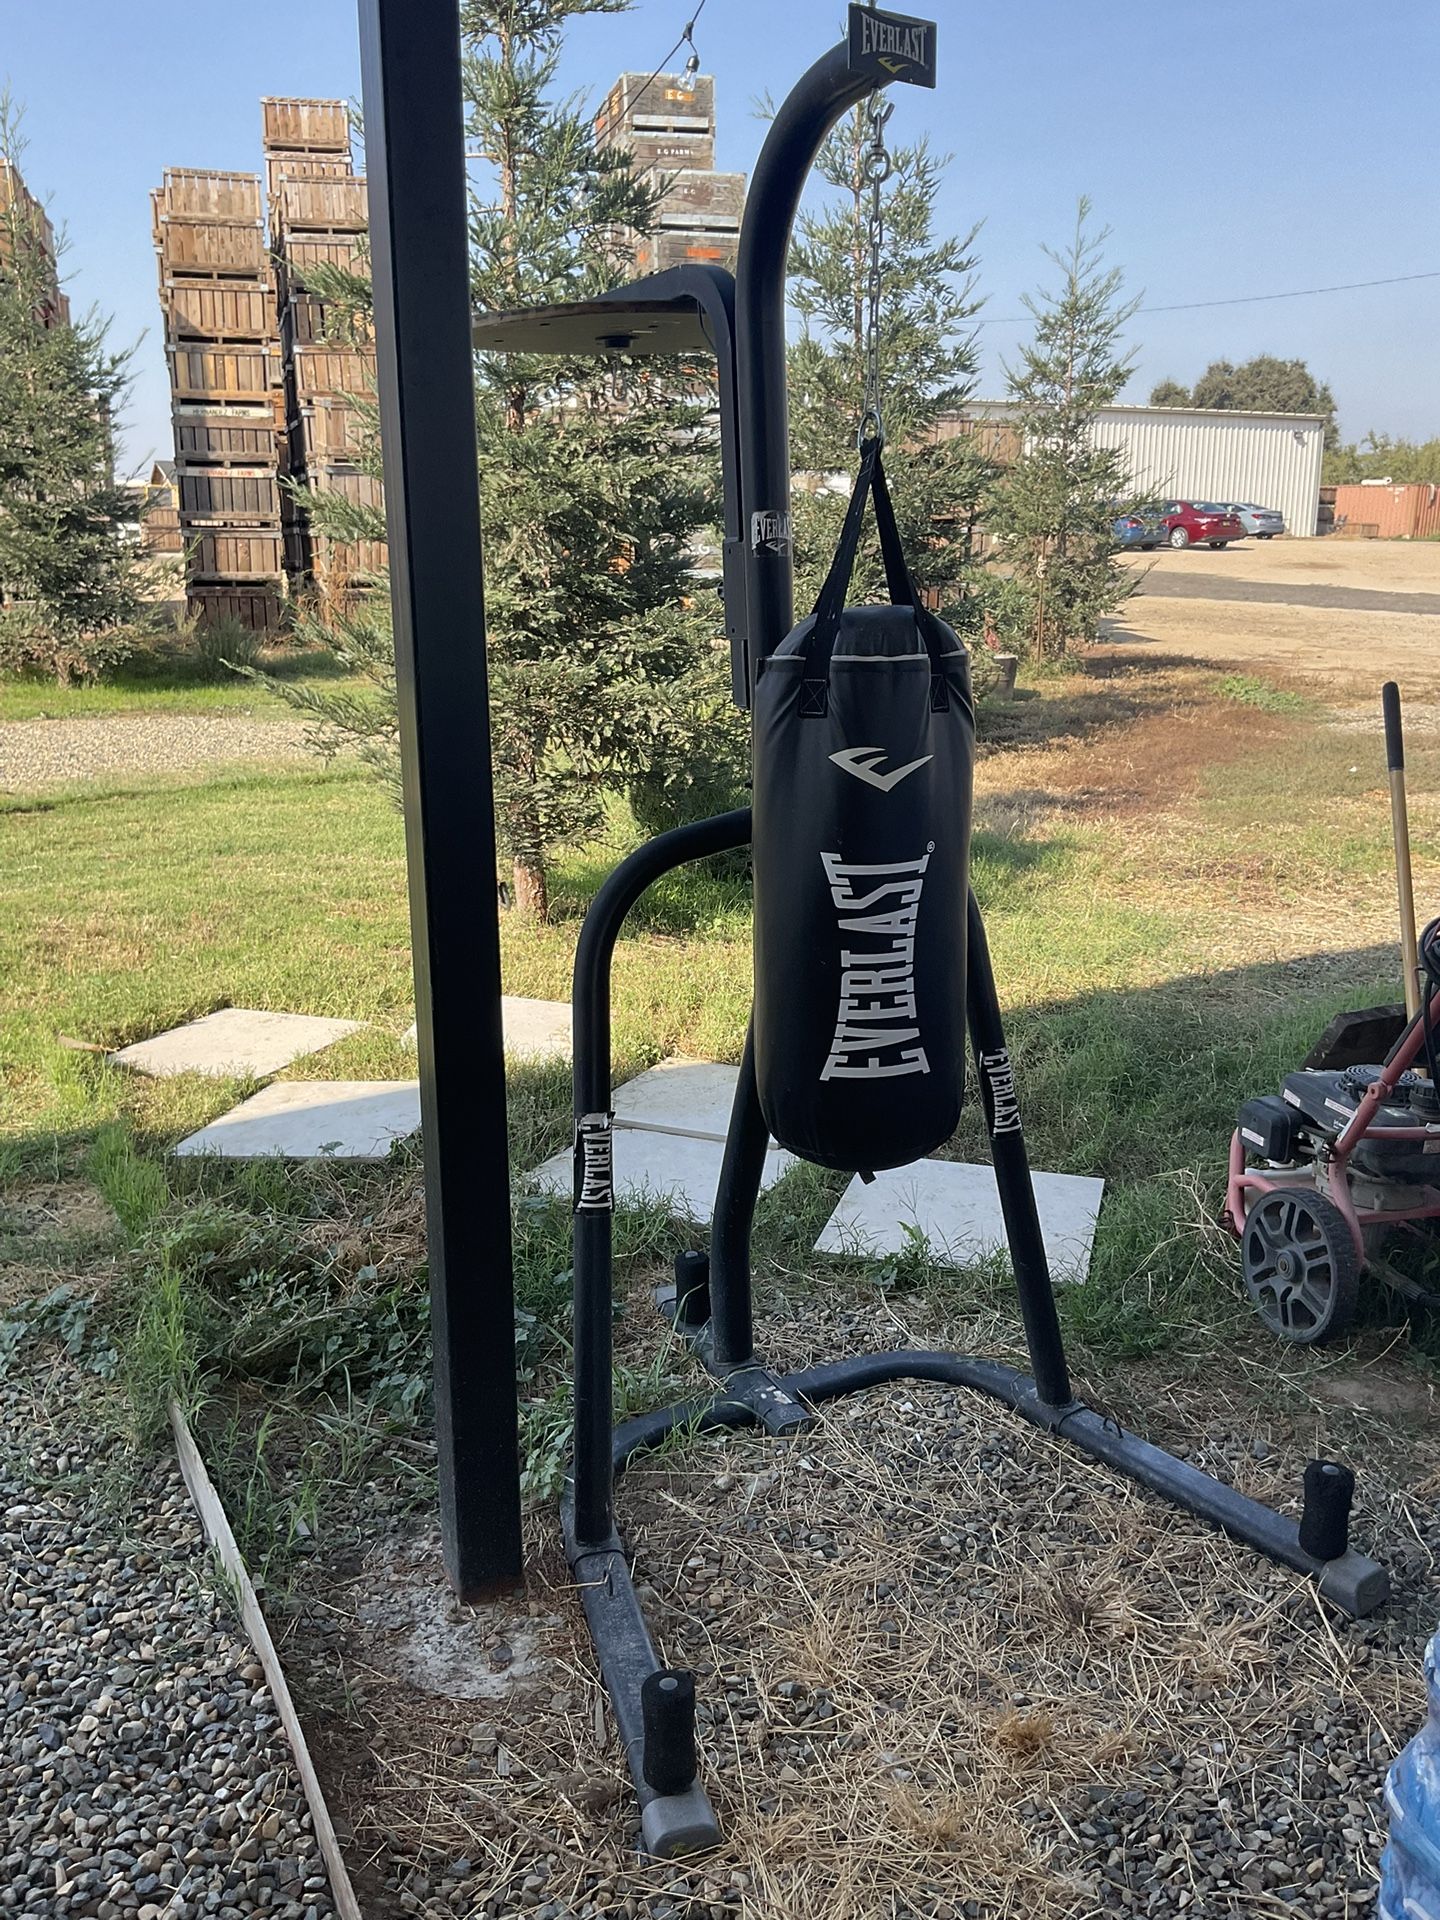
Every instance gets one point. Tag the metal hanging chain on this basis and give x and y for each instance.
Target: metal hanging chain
(875, 168)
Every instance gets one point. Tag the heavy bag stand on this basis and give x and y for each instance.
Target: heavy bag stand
(741, 320)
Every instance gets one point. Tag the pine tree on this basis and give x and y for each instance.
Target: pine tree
(1054, 514)
(70, 572)
(927, 368)
(595, 480)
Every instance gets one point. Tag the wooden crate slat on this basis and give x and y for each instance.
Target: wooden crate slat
(337, 205)
(194, 247)
(323, 370)
(236, 372)
(227, 494)
(198, 311)
(261, 611)
(313, 125)
(238, 553)
(196, 193)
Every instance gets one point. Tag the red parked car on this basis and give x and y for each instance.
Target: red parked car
(1188, 522)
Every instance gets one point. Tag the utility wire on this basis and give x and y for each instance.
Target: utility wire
(1244, 299)
(684, 40)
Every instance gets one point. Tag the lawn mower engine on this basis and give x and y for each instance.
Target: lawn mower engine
(1302, 1251)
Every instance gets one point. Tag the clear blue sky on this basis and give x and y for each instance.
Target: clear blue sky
(1232, 148)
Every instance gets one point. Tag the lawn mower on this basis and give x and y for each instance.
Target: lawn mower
(1344, 1161)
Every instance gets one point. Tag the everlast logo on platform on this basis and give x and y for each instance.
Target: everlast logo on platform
(906, 39)
(875, 1034)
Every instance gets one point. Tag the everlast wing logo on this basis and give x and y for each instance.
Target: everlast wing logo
(875, 1033)
(771, 530)
(902, 39)
(892, 44)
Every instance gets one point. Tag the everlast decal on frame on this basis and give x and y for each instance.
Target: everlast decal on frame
(892, 46)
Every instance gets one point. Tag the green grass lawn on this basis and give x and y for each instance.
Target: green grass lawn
(165, 681)
(1159, 961)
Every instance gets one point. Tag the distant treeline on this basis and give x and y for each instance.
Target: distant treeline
(1378, 457)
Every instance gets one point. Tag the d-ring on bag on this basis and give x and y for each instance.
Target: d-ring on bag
(864, 755)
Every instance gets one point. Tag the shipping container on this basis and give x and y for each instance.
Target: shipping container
(233, 373)
(260, 610)
(238, 437)
(1388, 512)
(192, 247)
(322, 206)
(314, 125)
(201, 312)
(234, 553)
(194, 193)
(229, 494)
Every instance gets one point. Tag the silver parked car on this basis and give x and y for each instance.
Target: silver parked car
(1263, 522)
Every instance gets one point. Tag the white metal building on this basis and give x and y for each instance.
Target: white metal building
(1195, 453)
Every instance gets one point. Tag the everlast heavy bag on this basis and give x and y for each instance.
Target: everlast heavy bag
(864, 754)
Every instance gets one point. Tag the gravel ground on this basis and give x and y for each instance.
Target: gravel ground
(35, 754)
(143, 1771)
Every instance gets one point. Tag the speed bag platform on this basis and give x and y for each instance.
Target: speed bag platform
(864, 761)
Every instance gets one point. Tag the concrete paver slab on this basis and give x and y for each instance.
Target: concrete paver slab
(676, 1168)
(534, 1029)
(314, 1119)
(957, 1208)
(234, 1040)
(679, 1096)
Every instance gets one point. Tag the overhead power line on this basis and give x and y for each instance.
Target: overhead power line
(1245, 299)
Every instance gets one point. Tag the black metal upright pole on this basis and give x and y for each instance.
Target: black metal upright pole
(410, 71)
(796, 135)
(1012, 1171)
(762, 399)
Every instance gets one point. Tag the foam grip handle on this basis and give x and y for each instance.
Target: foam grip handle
(667, 1708)
(1325, 1517)
(1394, 738)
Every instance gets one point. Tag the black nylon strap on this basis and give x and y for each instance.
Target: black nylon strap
(830, 606)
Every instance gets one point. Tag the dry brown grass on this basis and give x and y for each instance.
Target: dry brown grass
(927, 1638)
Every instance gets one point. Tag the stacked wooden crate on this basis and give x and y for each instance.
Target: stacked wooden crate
(319, 217)
(23, 219)
(217, 297)
(666, 121)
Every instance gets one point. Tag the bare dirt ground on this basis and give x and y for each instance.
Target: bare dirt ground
(1315, 648)
(1386, 566)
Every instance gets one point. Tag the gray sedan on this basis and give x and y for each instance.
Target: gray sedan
(1263, 522)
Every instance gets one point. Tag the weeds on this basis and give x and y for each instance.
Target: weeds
(134, 1186)
(1245, 690)
(226, 646)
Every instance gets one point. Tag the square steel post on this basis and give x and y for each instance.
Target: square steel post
(410, 72)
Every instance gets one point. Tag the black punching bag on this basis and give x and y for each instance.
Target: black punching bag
(864, 755)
